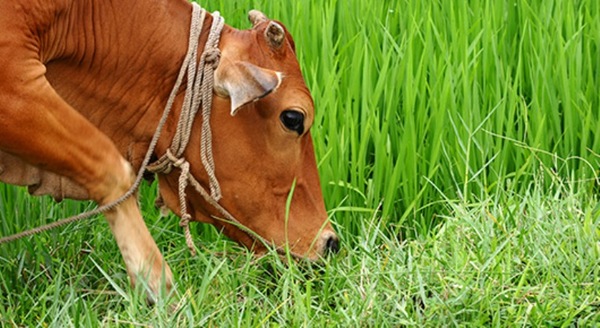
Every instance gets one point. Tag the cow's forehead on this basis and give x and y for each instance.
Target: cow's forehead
(250, 45)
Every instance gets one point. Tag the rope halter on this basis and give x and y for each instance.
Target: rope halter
(199, 92)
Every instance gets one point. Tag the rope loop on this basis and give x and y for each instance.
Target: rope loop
(173, 160)
(212, 57)
(185, 220)
(184, 223)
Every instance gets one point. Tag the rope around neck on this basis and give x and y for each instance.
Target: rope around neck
(198, 92)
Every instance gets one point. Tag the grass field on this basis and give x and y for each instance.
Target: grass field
(459, 149)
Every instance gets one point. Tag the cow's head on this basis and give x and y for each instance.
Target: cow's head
(261, 117)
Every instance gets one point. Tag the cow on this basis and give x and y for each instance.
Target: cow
(83, 85)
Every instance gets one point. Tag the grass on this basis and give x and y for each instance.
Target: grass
(458, 145)
(509, 259)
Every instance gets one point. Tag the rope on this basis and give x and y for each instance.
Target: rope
(199, 91)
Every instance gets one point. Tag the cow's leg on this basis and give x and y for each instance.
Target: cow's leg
(39, 127)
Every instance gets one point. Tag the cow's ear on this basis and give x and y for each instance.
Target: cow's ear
(244, 83)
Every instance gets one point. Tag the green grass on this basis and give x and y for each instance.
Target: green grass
(459, 150)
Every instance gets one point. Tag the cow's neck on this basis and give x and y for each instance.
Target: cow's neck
(119, 64)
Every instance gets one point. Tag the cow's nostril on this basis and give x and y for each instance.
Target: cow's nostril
(332, 245)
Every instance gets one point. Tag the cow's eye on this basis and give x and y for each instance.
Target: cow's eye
(293, 120)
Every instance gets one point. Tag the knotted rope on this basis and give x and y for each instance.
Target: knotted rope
(198, 93)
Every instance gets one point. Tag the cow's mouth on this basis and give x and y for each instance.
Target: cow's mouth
(325, 244)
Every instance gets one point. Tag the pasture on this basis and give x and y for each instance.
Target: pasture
(458, 144)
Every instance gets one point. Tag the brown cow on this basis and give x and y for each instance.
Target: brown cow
(83, 85)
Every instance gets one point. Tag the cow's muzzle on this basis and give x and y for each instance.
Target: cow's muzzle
(330, 243)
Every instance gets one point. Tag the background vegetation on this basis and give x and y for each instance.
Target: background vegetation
(458, 145)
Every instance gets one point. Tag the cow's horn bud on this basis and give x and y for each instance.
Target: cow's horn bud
(275, 35)
(256, 17)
